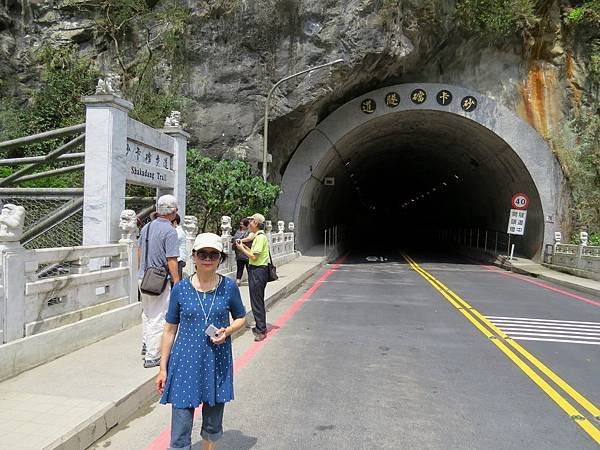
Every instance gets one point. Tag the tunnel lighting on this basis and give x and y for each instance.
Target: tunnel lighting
(347, 164)
(422, 196)
(433, 189)
(444, 183)
(351, 175)
(412, 200)
(457, 177)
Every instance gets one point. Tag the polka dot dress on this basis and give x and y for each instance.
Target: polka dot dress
(198, 370)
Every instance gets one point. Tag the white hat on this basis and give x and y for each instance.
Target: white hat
(258, 217)
(208, 240)
(166, 204)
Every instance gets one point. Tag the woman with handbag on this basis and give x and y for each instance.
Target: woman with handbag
(196, 360)
(258, 273)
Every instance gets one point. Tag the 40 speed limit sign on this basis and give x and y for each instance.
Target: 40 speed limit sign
(518, 214)
(520, 201)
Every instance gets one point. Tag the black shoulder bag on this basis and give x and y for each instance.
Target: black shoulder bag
(155, 279)
(271, 267)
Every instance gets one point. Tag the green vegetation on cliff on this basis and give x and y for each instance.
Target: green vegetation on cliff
(493, 19)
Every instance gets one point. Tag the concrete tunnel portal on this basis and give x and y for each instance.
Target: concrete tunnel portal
(403, 161)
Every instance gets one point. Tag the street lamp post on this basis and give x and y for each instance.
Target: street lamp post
(267, 103)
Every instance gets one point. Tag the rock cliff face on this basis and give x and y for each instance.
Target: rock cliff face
(236, 53)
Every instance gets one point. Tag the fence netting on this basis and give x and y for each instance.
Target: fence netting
(65, 232)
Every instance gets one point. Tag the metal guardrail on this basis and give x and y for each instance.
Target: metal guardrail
(41, 137)
(49, 206)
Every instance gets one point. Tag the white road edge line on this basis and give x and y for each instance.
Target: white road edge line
(519, 330)
(503, 323)
(523, 338)
(546, 327)
(540, 320)
(556, 335)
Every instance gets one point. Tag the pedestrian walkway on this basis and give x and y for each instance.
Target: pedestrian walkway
(527, 267)
(72, 401)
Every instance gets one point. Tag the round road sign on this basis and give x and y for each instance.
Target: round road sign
(520, 201)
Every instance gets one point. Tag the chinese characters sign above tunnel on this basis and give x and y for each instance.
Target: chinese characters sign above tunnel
(148, 166)
(418, 97)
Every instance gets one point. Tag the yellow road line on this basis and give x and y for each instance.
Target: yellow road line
(471, 314)
(579, 398)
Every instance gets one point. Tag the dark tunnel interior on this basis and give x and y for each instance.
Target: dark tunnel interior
(405, 175)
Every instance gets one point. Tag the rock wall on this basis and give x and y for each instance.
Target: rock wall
(236, 52)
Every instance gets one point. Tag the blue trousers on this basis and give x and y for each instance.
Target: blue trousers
(182, 420)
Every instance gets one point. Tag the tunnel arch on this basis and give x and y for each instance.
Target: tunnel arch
(435, 160)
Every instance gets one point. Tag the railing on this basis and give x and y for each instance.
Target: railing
(33, 163)
(333, 239)
(39, 297)
(490, 241)
(48, 207)
(56, 300)
(281, 243)
(577, 257)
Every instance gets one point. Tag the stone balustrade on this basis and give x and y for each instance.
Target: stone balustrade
(281, 243)
(56, 300)
(573, 256)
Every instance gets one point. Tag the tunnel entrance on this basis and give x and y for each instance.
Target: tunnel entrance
(402, 169)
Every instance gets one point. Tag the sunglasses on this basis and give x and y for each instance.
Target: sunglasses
(213, 256)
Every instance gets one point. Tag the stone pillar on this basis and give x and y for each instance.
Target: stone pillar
(105, 165)
(12, 273)
(269, 231)
(190, 226)
(173, 128)
(128, 227)
(291, 227)
(226, 233)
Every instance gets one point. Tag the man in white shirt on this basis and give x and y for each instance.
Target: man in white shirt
(182, 260)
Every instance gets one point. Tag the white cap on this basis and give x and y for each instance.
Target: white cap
(208, 240)
(258, 217)
(166, 204)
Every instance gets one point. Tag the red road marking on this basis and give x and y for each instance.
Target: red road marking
(545, 286)
(163, 439)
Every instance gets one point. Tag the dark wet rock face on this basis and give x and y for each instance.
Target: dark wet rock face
(235, 54)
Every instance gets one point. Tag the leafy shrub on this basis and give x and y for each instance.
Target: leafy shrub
(218, 188)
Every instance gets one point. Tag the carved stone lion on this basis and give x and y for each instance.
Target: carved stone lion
(128, 224)
(110, 84)
(12, 219)
(268, 226)
(225, 226)
(174, 120)
(280, 226)
(291, 226)
(190, 226)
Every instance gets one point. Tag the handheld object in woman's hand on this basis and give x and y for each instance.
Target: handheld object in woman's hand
(211, 331)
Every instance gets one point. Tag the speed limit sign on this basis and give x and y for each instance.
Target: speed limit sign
(520, 201)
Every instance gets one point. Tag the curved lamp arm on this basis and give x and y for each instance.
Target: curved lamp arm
(267, 107)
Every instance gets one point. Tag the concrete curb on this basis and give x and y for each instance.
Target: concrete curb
(563, 283)
(92, 429)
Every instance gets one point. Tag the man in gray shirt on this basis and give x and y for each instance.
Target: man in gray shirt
(158, 246)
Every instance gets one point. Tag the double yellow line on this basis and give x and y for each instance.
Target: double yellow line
(518, 355)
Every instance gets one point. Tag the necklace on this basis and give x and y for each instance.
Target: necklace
(206, 316)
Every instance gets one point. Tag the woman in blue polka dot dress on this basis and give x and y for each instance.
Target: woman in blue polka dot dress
(196, 364)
